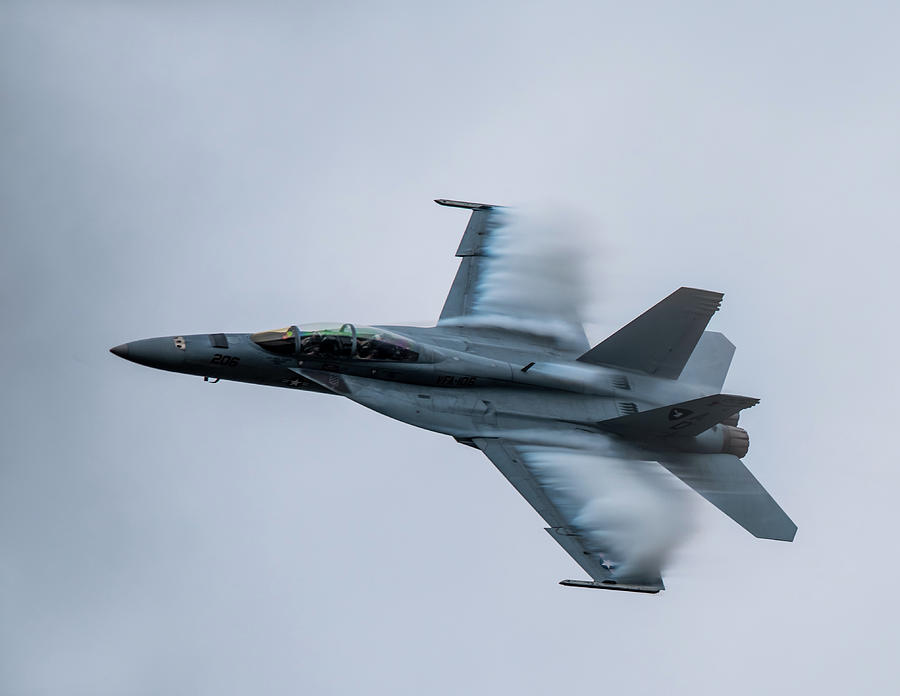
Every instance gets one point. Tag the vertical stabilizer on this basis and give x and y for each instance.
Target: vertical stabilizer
(709, 363)
(660, 341)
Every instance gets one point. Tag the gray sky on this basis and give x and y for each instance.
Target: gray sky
(188, 167)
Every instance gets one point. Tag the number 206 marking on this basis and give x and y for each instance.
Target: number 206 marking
(227, 360)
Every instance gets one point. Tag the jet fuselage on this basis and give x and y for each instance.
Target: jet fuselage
(455, 392)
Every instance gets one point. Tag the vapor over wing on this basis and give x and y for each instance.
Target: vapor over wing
(614, 518)
(517, 273)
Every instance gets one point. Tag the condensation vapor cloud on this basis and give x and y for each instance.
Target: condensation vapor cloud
(536, 275)
(630, 510)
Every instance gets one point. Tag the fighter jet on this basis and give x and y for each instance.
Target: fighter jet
(523, 387)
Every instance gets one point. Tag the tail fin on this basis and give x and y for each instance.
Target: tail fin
(687, 419)
(660, 341)
(709, 363)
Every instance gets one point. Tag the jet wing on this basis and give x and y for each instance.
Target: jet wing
(512, 460)
(516, 297)
(473, 248)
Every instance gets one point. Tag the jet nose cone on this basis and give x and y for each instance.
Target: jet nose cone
(163, 353)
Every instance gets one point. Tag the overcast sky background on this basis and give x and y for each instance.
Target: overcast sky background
(187, 167)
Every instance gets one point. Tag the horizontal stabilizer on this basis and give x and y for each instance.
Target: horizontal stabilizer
(660, 341)
(686, 419)
(725, 482)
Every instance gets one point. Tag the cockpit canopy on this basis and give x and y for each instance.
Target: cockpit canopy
(331, 341)
(278, 341)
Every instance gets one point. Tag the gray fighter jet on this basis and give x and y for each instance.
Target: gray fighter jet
(525, 389)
